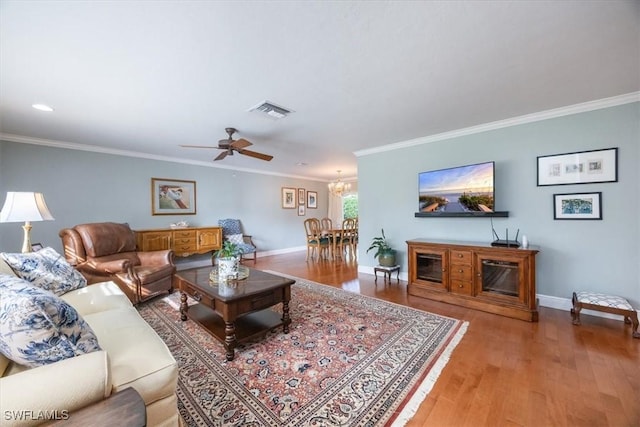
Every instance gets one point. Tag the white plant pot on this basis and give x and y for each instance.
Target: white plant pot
(228, 269)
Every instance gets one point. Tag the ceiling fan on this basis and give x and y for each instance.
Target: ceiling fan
(230, 145)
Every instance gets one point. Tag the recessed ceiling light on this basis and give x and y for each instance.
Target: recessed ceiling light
(42, 107)
(302, 164)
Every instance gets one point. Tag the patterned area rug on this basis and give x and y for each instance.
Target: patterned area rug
(348, 360)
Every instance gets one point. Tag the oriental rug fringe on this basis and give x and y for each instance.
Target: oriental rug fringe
(348, 360)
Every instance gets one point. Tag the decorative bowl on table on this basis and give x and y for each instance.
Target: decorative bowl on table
(243, 273)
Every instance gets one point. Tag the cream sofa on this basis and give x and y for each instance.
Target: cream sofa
(132, 355)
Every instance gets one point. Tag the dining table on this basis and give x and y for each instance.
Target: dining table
(334, 235)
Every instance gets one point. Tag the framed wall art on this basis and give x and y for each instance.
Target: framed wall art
(173, 197)
(577, 206)
(288, 198)
(312, 199)
(583, 167)
(301, 210)
(301, 196)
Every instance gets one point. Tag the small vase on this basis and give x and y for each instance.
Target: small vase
(387, 259)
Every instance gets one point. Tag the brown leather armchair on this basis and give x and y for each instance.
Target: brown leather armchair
(107, 251)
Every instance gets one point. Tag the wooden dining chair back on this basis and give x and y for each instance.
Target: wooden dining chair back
(316, 243)
(326, 224)
(348, 238)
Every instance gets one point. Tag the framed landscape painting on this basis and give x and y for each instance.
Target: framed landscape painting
(584, 167)
(577, 206)
(173, 197)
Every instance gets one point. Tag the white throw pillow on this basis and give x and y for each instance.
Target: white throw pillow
(236, 238)
(46, 269)
(37, 327)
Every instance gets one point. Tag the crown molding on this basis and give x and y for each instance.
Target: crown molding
(514, 121)
(96, 149)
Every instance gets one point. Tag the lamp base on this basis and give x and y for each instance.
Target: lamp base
(26, 243)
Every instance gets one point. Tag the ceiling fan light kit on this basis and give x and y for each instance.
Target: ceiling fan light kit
(230, 145)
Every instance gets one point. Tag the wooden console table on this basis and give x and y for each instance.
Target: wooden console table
(183, 241)
(498, 280)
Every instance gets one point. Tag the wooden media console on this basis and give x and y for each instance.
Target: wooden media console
(498, 280)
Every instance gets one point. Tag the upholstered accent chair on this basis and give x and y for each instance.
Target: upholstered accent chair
(107, 251)
(232, 231)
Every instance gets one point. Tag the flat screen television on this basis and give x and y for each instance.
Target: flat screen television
(463, 190)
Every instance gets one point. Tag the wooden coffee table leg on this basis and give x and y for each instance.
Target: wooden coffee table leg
(229, 340)
(286, 320)
(183, 306)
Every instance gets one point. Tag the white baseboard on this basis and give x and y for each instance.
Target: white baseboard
(549, 301)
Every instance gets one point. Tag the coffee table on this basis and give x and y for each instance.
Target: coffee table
(237, 311)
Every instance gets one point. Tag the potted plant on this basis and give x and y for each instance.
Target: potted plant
(228, 260)
(385, 254)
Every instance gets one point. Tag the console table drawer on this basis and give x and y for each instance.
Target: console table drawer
(461, 287)
(460, 272)
(461, 257)
(184, 234)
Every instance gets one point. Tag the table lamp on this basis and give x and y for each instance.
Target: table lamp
(27, 207)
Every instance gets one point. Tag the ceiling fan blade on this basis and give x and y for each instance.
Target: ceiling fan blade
(222, 155)
(256, 155)
(198, 146)
(240, 143)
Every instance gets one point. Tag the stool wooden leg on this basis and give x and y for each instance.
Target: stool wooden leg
(634, 322)
(575, 311)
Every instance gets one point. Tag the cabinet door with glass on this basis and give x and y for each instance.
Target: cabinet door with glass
(503, 278)
(431, 265)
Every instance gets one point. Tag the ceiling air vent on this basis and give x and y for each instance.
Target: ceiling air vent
(271, 110)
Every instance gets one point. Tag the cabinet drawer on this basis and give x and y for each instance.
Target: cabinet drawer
(259, 302)
(461, 287)
(460, 272)
(184, 234)
(197, 295)
(461, 257)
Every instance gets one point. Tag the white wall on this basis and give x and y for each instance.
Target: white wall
(599, 255)
(81, 187)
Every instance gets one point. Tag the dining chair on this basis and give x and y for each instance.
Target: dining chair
(348, 238)
(326, 224)
(316, 243)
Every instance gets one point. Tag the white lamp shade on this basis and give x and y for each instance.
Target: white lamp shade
(25, 207)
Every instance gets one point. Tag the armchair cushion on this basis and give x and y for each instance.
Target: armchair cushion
(46, 269)
(38, 328)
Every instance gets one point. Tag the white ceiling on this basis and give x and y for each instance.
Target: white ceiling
(146, 76)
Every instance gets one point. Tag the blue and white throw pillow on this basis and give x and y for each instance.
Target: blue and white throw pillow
(235, 238)
(46, 269)
(37, 327)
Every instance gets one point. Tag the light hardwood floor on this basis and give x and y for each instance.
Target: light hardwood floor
(508, 372)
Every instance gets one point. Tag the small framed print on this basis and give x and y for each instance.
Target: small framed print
(288, 198)
(35, 247)
(312, 199)
(577, 206)
(301, 210)
(584, 167)
(301, 196)
(173, 197)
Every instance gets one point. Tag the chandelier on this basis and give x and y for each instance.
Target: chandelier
(338, 187)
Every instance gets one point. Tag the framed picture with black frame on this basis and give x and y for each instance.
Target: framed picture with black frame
(577, 206)
(583, 167)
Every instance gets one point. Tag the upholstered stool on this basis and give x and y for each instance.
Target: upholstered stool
(605, 303)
